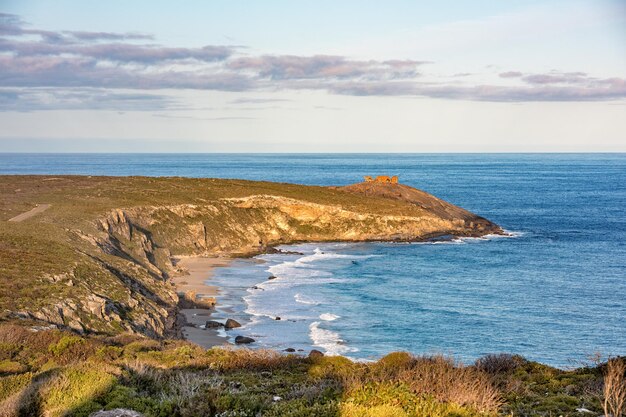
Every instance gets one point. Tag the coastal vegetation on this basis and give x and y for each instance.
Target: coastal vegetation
(57, 373)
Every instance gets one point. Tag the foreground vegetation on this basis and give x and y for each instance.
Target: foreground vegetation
(55, 373)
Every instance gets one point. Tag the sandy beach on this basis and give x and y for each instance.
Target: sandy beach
(193, 284)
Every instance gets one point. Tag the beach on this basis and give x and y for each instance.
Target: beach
(193, 282)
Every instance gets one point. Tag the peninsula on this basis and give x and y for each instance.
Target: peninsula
(96, 271)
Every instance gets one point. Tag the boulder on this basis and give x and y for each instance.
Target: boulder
(276, 318)
(315, 354)
(290, 350)
(212, 324)
(243, 340)
(231, 324)
(272, 277)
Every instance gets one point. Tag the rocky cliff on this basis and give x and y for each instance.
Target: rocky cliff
(116, 257)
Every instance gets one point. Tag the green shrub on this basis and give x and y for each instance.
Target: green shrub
(333, 366)
(64, 344)
(74, 387)
(11, 367)
(11, 384)
(387, 399)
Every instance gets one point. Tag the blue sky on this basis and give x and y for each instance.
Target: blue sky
(325, 76)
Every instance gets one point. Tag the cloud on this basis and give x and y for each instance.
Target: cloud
(248, 100)
(78, 69)
(289, 67)
(27, 100)
(510, 74)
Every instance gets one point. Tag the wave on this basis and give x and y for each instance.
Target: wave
(462, 240)
(288, 268)
(303, 299)
(328, 340)
(329, 317)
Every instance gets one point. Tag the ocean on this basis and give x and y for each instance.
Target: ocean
(554, 291)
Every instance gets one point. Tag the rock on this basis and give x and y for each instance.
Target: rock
(290, 350)
(231, 324)
(212, 324)
(315, 354)
(277, 318)
(243, 340)
(272, 277)
(118, 412)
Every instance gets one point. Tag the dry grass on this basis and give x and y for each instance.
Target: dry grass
(437, 377)
(615, 388)
(225, 359)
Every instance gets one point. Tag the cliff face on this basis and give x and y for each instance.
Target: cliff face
(115, 277)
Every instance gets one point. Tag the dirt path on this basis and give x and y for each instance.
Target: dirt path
(30, 213)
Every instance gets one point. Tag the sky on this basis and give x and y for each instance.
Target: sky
(313, 76)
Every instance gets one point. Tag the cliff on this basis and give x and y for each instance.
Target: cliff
(98, 259)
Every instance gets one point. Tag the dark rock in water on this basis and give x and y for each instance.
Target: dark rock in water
(231, 324)
(212, 324)
(243, 339)
(272, 277)
(289, 350)
(277, 318)
(315, 354)
(355, 263)
(273, 250)
(300, 350)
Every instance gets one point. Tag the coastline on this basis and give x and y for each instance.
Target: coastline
(197, 298)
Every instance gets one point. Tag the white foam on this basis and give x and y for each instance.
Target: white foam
(328, 340)
(303, 299)
(329, 317)
(288, 268)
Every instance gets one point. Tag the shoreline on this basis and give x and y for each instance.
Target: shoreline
(198, 299)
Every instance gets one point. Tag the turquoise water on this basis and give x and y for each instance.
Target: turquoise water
(554, 292)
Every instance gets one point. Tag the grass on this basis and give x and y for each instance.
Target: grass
(56, 373)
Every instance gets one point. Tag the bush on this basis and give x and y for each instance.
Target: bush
(498, 363)
(10, 367)
(11, 384)
(74, 387)
(64, 344)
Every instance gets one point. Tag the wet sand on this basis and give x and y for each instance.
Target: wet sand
(200, 270)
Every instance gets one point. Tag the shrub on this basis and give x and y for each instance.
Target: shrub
(498, 363)
(64, 344)
(397, 399)
(11, 367)
(73, 387)
(11, 384)
(615, 387)
(225, 359)
(334, 366)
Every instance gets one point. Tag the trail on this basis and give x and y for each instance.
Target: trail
(30, 213)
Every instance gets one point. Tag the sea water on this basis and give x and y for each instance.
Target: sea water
(554, 291)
